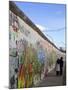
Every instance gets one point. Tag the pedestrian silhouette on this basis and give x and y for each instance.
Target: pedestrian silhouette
(57, 67)
(61, 65)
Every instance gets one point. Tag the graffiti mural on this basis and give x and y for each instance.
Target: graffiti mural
(29, 54)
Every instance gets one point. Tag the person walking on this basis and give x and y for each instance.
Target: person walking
(57, 67)
(61, 65)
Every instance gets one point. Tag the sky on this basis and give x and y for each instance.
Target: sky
(50, 18)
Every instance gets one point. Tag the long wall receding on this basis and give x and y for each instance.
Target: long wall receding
(31, 53)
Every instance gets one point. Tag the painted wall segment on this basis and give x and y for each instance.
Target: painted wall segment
(29, 54)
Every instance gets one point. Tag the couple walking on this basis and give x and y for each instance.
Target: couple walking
(59, 66)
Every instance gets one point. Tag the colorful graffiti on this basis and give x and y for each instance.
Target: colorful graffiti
(28, 58)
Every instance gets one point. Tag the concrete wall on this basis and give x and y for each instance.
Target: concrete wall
(29, 53)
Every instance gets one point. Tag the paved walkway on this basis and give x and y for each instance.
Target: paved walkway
(51, 80)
